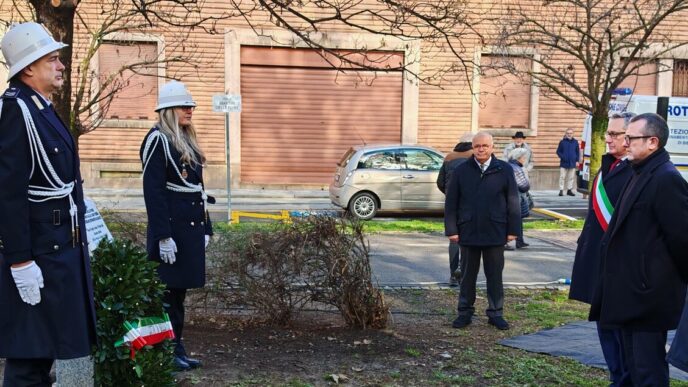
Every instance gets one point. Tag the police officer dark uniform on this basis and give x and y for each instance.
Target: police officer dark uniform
(178, 224)
(46, 295)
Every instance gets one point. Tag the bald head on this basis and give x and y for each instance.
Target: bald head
(483, 146)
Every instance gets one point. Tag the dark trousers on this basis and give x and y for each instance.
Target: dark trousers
(174, 298)
(27, 373)
(493, 264)
(519, 237)
(645, 355)
(454, 257)
(612, 349)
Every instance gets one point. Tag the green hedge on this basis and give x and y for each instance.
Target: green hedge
(126, 287)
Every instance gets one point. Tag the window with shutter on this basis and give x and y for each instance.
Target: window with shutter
(138, 86)
(504, 97)
(680, 79)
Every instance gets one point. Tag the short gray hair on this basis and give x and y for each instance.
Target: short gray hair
(517, 153)
(626, 116)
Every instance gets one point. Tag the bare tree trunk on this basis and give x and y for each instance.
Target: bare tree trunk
(58, 17)
(598, 146)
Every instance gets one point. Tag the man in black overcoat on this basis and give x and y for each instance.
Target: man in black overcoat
(482, 212)
(610, 180)
(644, 265)
(46, 295)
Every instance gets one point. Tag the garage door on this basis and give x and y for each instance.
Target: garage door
(299, 115)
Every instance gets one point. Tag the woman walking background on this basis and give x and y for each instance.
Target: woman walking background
(178, 224)
(517, 157)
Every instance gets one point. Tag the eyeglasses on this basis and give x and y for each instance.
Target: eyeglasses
(628, 138)
(614, 134)
(187, 108)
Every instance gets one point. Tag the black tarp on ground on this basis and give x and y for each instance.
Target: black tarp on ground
(577, 340)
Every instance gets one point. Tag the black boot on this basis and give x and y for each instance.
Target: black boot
(570, 193)
(561, 193)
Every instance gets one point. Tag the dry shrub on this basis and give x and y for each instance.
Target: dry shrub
(280, 270)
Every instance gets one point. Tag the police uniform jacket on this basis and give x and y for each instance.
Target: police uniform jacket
(62, 325)
(586, 266)
(482, 208)
(644, 262)
(177, 215)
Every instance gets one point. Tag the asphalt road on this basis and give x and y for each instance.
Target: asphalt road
(416, 258)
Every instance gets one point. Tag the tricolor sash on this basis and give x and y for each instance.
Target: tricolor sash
(146, 331)
(601, 205)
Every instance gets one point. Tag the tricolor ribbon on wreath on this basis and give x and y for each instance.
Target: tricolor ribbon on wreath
(600, 203)
(146, 331)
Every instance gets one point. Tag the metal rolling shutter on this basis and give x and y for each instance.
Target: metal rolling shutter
(299, 115)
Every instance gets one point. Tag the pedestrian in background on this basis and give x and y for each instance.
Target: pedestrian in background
(517, 158)
(644, 267)
(606, 190)
(569, 154)
(179, 228)
(519, 142)
(46, 294)
(482, 213)
(462, 151)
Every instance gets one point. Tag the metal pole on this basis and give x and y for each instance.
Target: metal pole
(229, 175)
(663, 106)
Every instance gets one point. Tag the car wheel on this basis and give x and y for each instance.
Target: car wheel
(363, 206)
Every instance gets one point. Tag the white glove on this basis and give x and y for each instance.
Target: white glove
(167, 250)
(207, 240)
(29, 281)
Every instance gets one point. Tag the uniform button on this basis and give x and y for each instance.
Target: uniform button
(193, 224)
(193, 203)
(56, 247)
(202, 223)
(56, 150)
(82, 243)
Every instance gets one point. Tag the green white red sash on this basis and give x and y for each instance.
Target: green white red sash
(600, 203)
(146, 331)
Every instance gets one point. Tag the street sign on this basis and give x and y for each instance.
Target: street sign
(227, 103)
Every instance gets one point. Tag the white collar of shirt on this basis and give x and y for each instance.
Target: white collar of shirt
(45, 99)
(486, 163)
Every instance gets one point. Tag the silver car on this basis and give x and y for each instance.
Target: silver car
(387, 177)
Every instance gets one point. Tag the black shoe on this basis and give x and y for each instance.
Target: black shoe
(462, 321)
(498, 322)
(522, 245)
(561, 193)
(193, 363)
(570, 193)
(453, 281)
(180, 364)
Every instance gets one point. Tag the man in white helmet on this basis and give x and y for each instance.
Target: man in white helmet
(46, 295)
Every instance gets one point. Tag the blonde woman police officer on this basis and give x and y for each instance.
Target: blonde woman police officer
(178, 224)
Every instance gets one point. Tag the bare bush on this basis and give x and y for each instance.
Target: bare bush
(280, 270)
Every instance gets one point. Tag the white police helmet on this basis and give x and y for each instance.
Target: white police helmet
(174, 94)
(25, 43)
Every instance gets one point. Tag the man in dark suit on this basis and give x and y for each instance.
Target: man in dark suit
(644, 266)
(482, 213)
(45, 276)
(604, 194)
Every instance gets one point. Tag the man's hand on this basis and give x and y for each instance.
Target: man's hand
(207, 240)
(453, 239)
(29, 281)
(167, 250)
(510, 237)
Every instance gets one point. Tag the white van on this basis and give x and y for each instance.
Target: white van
(677, 118)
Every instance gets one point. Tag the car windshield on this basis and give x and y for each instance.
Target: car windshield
(345, 159)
